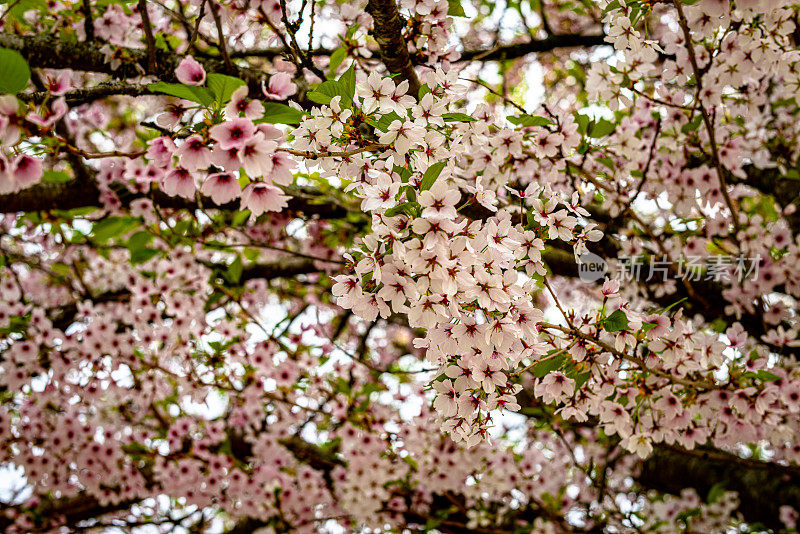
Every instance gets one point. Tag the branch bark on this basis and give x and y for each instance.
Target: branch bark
(81, 193)
(763, 487)
(547, 44)
(387, 30)
(48, 51)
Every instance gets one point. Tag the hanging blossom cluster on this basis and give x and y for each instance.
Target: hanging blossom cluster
(465, 277)
(457, 278)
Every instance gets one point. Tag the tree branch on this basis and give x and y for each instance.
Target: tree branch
(548, 44)
(81, 193)
(387, 30)
(763, 487)
(48, 51)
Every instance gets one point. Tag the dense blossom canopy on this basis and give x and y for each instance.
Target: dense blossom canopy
(379, 266)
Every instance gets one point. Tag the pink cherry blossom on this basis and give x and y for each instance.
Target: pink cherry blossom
(222, 187)
(190, 72)
(261, 197)
(193, 154)
(179, 182)
(280, 86)
(233, 133)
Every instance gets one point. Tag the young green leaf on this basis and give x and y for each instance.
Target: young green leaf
(454, 8)
(55, 177)
(602, 128)
(234, 272)
(337, 57)
(113, 227)
(457, 117)
(193, 93)
(545, 367)
(277, 113)
(616, 322)
(530, 120)
(14, 72)
(222, 86)
(430, 176)
(347, 85)
(406, 207)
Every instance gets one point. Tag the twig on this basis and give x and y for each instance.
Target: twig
(223, 49)
(200, 16)
(148, 35)
(706, 120)
(99, 155)
(9, 8)
(328, 154)
(88, 22)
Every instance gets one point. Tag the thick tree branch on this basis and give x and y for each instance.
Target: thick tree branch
(48, 51)
(763, 487)
(81, 193)
(387, 30)
(547, 44)
(76, 97)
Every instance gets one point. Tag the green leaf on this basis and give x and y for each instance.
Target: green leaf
(616, 321)
(545, 367)
(583, 123)
(456, 117)
(193, 93)
(614, 4)
(324, 93)
(113, 227)
(240, 217)
(605, 160)
(75, 213)
(580, 378)
(662, 311)
(602, 128)
(424, 90)
(347, 85)
(337, 57)
(530, 120)
(454, 8)
(344, 87)
(785, 102)
(383, 123)
(139, 240)
(61, 268)
(14, 72)
(234, 273)
(766, 376)
(693, 125)
(277, 113)
(55, 177)
(406, 207)
(222, 86)
(715, 493)
(142, 255)
(430, 176)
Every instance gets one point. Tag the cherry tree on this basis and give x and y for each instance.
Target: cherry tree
(416, 266)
